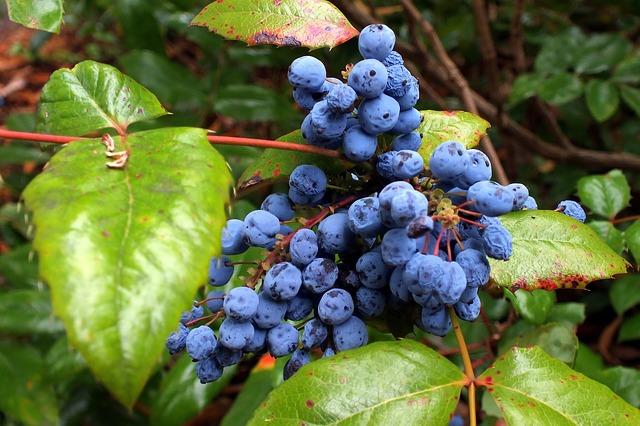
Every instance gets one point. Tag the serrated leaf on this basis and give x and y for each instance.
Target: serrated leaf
(558, 340)
(631, 97)
(625, 293)
(308, 23)
(630, 329)
(532, 388)
(602, 99)
(605, 194)
(632, 238)
(627, 71)
(25, 394)
(45, 15)
(551, 251)
(533, 306)
(181, 395)
(93, 96)
(27, 312)
(442, 126)
(399, 382)
(125, 250)
(609, 234)
(278, 164)
(560, 88)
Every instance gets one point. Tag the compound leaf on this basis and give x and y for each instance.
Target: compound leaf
(392, 382)
(309, 23)
(43, 15)
(125, 250)
(551, 251)
(605, 194)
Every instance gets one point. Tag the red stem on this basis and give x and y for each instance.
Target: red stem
(214, 139)
(436, 250)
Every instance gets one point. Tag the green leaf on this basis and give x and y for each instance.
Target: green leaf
(181, 395)
(609, 233)
(533, 306)
(18, 154)
(625, 293)
(631, 97)
(558, 340)
(630, 329)
(627, 71)
(278, 164)
(93, 96)
(245, 102)
(308, 23)
(551, 250)
(62, 362)
(262, 380)
(606, 194)
(25, 393)
(601, 52)
(570, 313)
(632, 237)
(18, 268)
(442, 126)
(559, 51)
(27, 312)
(524, 86)
(602, 99)
(560, 88)
(140, 28)
(353, 388)
(125, 250)
(533, 388)
(43, 15)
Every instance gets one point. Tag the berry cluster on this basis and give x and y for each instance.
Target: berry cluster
(407, 242)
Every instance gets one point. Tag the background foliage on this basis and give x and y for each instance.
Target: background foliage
(570, 76)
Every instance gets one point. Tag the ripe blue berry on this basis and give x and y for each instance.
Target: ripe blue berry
(407, 206)
(298, 308)
(393, 58)
(359, 145)
(475, 266)
(240, 304)
(308, 180)
(376, 41)
(319, 275)
(419, 226)
(399, 81)
(408, 121)
(235, 334)
(410, 99)
(233, 240)
(368, 78)
(378, 115)
(410, 141)
(369, 303)
(341, 98)
(335, 306)
(451, 283)
(520, 195)
(299, 358)
(468, 311)
(350, 334)
(257, 341)
(497, 242)
(220, 271)
(282, 339)
(260, 228)
(437, 323)
(530, 204)
(325, 123)
(407, 164)
(200, 342)
(364, 216)
(490, 198)
(572, 209)
(208, 370)
(334, 235)
(177, 340)
(314, 334)
(384, 164)
(278, 204)
(308, 73)
(215, 300)
(269, 312)
(397, 248)
(478, 169)
(449, 160)
(282, 281)
(303, 247)
(372, 270)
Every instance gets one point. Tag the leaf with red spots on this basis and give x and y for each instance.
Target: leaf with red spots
(551, 251)
(384, 383)
(309, 23)
(43, 15)
(532, 388)
(277, 164)
(442, 126)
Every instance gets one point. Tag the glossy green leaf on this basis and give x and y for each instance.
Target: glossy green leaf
(524, 86)
(625, 293)
(43, 15)
(631, 97)
(533, 388)
(630, 329)
(396, 382)
(92, 96)
(245, 102)
(609, 233)
(442, 126)
(602, 99)
(628, 71)
(560, 88)
(18, 154)
(25, 393)
(567, 313)
(125, 250)
(278, 164)
(533, 306)
(140, 27)
(558, 340)
(62, 362)
(308, 23)
(18, 268)
(601, 52)
(551, 251)
(632, 238)
(181, 395)
(605, 195)
(559, 51)
(27, 312)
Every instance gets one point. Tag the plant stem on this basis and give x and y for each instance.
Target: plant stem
(214, 139)
(626, 219)
(468, 368)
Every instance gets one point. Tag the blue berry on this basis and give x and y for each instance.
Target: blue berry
(303, 247)
(530, 204)
(475, 266)
(177, 340)
(397, 248)
(456, 421)
(257, 341)
(298, 308)
(240, 304)
(319, 275)
(572, 209)
(520, 195)
(299, 358)
(430, 303)
(478, 169)
(376, 41)
(329, 352)
(469, 294)
(451, 283)
(314, 334)
(208, 370)
(269, 312)
(490, 198)
(278, 204)
(341, 98)
(235, 334)
(449, 160)
(369, 303)
(306, 99)
(497, 242)
(282, 339)
(468, 311)
(372, 270)
(220, 271)
(368, 78)
(350, 334)
(260, 228)
(378, 115)
(386, 197)
(307, 72)
(410, 99)
(384, 164)
(407, 206)
(410, 141)
(226, 356)
(215, 300)
(408, 121)
(285, 230)
(200, 342)
(393, 58)
(437, 323)
(308, 180)
(399, 80)
(334, 235)
(419, 226)
(398, 286)
(407, 164)
(302, 199)
(282, 281)
(233, 240)
(421, 273)
(359, 145)
(364, 217)
(457, 195)
(326, 123)
(335, 306)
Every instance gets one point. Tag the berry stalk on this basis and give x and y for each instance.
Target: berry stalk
(468, 367)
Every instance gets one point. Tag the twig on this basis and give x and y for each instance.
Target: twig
(487, 49)
(516, 38)
(625, 219)
(606, 337)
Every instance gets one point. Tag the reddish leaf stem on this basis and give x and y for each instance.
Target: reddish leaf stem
(468, 366)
